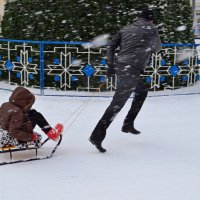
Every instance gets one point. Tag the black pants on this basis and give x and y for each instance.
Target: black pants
(129, 81)
(38, 119)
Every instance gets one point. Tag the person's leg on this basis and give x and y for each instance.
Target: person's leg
(38, 119)
(138, 100)
(115, 106)
(126, 85)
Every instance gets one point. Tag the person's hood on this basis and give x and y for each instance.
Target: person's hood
(22, 97)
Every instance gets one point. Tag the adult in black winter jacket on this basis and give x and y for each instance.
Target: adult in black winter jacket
(137, 42)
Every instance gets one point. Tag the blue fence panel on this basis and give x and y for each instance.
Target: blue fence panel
(76, 66)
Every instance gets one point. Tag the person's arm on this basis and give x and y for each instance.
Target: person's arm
(110, 53)
(19, 128)
(156, 43)
(113, 44)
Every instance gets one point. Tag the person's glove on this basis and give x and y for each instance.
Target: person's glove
(110, 71)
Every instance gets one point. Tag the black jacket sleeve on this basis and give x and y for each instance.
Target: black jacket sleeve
(156, 44)
(110, 51)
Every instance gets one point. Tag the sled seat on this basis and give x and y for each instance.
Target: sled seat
(7, 148)
(10, 148)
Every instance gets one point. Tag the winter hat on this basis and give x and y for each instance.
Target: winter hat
(146, 12)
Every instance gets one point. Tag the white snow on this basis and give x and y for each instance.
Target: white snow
(76, 62)
(39, 13)
(98, 41)
(184, 54)
(162, 163)
(181, 28)
(64, 21)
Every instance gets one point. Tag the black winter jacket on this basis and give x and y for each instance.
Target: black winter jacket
(137, 42)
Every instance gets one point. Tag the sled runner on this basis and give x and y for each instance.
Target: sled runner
(12, 149)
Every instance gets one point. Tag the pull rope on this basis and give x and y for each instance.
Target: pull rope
(77, 109)
(77, 112)
(75, 115)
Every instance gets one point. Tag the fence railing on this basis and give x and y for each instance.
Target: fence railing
(76, 66)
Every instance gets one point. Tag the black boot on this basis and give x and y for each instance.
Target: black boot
(128, 126)
(97, 144)
(130, 129)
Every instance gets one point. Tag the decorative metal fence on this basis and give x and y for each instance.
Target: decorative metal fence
(74, 66)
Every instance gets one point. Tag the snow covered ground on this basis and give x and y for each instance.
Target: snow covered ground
(162, 163)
